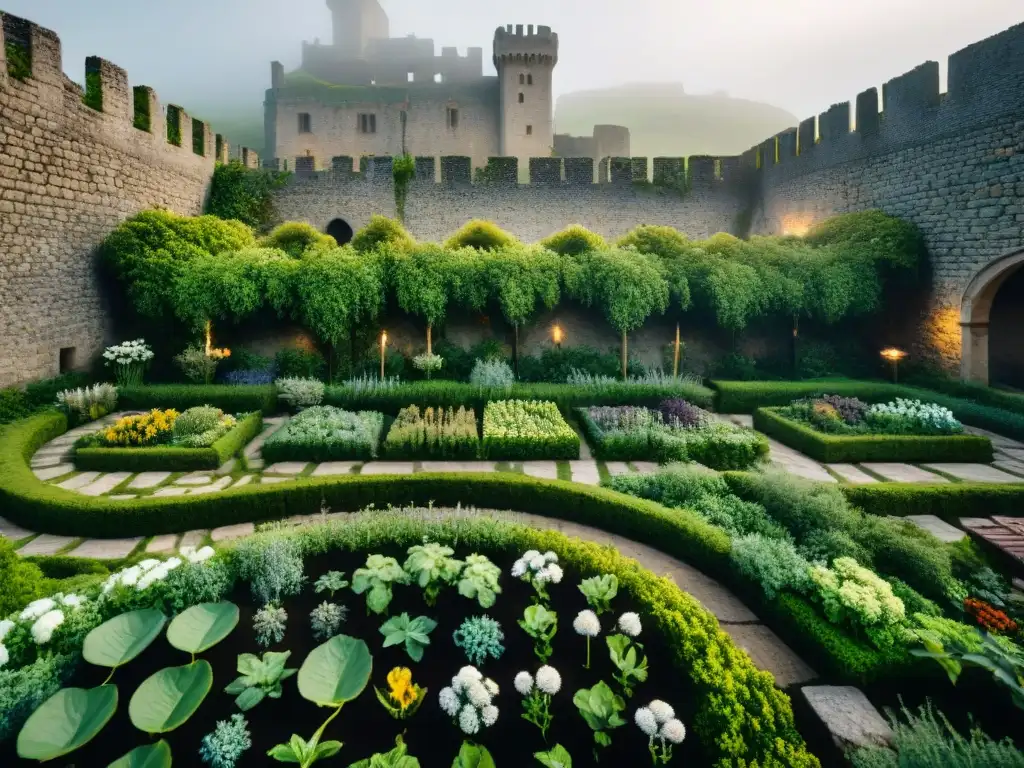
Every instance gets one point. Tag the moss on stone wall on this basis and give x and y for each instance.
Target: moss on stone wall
(19, 61)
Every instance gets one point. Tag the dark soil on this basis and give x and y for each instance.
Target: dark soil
(364, 726)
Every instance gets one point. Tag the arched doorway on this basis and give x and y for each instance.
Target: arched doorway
(341, 231)
(976, 315)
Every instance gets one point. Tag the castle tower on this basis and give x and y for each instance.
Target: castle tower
(356, 22)
(526, 64)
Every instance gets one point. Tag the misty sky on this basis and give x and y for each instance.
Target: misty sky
(802, 55)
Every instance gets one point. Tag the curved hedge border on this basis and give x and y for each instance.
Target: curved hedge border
(167, 458)
(741, 717)
(835, 449)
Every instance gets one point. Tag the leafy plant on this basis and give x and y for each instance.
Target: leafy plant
(326, 620)
(480, 637)
(432, 568)
(773, 563)
(415, 633)
(556, 757)
(377, 579)
(479, 580)
(473, 756)
(537, 692)
(149, 756)
(202, 626)
(541, 624)
(600, 591)
(273, 569)
(69, 719)
(601, 708)
(166, 699)
(300, 392)
(492, 374)
(119, 640)
(224, 747)
(403, 697)
(332, 581)
(259, 678)
(269, 624)
(306, 753)
(631, 666)
(396, 758)
(853, 595)
(1005, 664)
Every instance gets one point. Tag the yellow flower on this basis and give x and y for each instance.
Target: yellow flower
(402, 689)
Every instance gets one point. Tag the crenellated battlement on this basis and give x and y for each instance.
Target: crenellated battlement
(512, 43)
(986, 82)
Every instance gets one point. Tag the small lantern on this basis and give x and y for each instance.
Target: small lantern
(383, 347)
(894, 356)
(557, 334)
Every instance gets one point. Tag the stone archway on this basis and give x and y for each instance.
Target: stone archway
(975, 314)
(341, 231)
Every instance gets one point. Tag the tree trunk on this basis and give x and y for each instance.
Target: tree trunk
(515, 351)
(796, 346)
(625, 354)
(430, 346)
(675, 356)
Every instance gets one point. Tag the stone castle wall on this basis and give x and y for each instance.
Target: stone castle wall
(68, 175)
(952, 163)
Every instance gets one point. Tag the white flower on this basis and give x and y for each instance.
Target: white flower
(523, 683)
(629, 624)
(646, 721)
(586, 623)
(491, 686)
(662, 711)
(449, 701)
(489, 715)
(130, 576)
(73, 601)
(548, 680)
(45, 625)
(149, 579)
(172, 563)
(469, 721)
(4, 656)
(542, 576)
(37, 608)
(537, 563)
(550, 557)
(149, 564)
(477, 694)
(555, 573)
(202, 555)
(469, 674)
(529, 554)
(673, 731)
(518, 568)
(5, 627)
(110, 583)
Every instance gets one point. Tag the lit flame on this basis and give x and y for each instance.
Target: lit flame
(797, 224)
(383, 338)
(557, 334)
(893, 355)
(211, 351)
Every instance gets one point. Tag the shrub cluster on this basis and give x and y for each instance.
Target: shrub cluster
(324, 433)
(527, 429)
(433, 433)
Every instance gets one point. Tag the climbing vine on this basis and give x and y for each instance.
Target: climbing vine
(173, 125)
(244, 194)
(403, 171)
(19, 64)
(93, 96)
(142, 119)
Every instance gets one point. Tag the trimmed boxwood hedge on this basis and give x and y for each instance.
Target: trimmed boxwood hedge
(747, 396)
(950, 501)
(168, 458)
(834, 449)
(181, 397)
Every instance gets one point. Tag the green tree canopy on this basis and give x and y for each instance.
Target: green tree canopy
(297, 238)
(336, 289)
(522, 277)
(573, 240)
(482, 235)
(627, 285)
(244, 194)
(382, 231)
(666, 242)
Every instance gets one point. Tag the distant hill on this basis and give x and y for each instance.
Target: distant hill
(664, 120)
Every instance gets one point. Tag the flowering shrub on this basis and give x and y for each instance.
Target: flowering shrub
(468, 700)
(300, 393)
(537, 692)
(88, 403)
(129, 361)
(202, 426)
(855, 596)
(679, 412)
(325, 433)
(428, 363)
(492, 373)
(990, 619)
(433, 432)
(658, 721)
(153, 428)
(527, 429)
(199, 364)
(913, 417)
(538, 570)
(850, 409)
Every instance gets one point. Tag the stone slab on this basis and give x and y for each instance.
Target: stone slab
(104, 483)
(46, 544)
(997, 440)
(547, 470)
(194, 478)
(227, 467)
(1010, 465)
(165, 543)
(585, 472)
(742, 420)
(938, 527)
(245, 480)
(616, 468)
(1014, 453)
(457, 466)
(123, 497)
(41, 462)
(220, 485)
(852, 474)
(13, 532)
(795, 463)
(903, 473)
(286, 468)
(192, 539)
(51, 473)
(106, 549)
(770, 654)
(276, 480)
(387, 468)
(173, 491)
(229, 532)
(79, 481)
(330, 468)
(645, 467)
(145, 480)
(851, 719)
(255, 464)
(974, 523)
(974, 473)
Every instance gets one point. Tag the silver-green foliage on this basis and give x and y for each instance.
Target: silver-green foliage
(197, 420)
(332, 581)
(376, 579)
(414, 633)
(493, 374)
(224, 747)
(22, 690)
(928, 739)
(273, 569)
(480, 637)
(479, 580)
(259, 678)
(432, 567)
(773, 563)
(326, 620)
(300, 393)
(269, 624)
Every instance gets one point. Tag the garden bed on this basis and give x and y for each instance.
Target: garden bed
(678, 431)
(731, 711)
(833, 449)
(325, 433)
(517, 430)
(434, 433)
(169, 458)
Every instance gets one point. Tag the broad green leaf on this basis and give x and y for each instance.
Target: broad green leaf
(202, 626)
(249, 698)
(66, 721)
(473, 756)
(336, 671)
(556, 757)
(327, 749)
(122, 638)
(168, 698)
(284, 753)
(150, 756)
